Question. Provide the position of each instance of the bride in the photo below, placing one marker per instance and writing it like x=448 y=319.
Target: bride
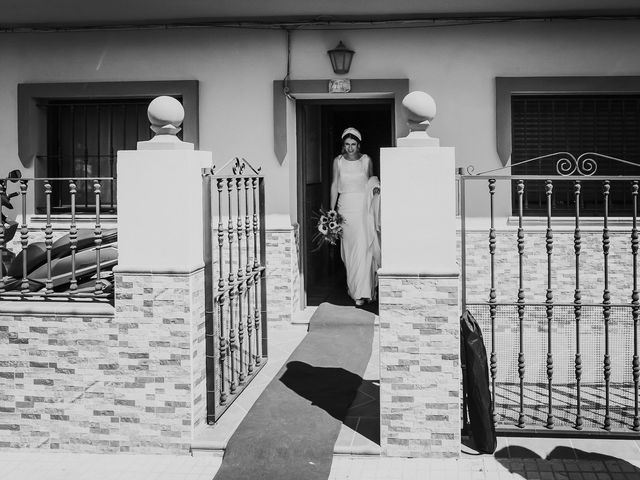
x=355 y=194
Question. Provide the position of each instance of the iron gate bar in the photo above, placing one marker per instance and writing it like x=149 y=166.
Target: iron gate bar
x=576 y=170
x=577 y=308
x=258 y=197
x=97 y=235
x=221 y=287
x=241 y=284
x=48 y=235
x=234 y=306
x=520 y=301
x=549 y=305
x=635 y=297
x=251 y=280
x=24 y=236
x=232 y=331
x=606 y=300
x=492 y=301
x=73 y=236
x=3 y=192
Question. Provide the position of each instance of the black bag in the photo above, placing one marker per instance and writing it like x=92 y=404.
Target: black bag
x=475 y=381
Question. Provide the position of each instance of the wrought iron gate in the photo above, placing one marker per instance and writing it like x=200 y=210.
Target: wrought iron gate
x=561 y=359
x=235 y=283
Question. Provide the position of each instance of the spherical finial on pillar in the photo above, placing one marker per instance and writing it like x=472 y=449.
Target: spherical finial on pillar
x=420 y=108
x=166 y=115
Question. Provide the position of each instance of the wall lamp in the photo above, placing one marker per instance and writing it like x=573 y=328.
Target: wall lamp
x=341 y=58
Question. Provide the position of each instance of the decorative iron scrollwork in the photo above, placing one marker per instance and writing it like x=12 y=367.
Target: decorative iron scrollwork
x=584 y=165
x=567 y=164
x=238 y=166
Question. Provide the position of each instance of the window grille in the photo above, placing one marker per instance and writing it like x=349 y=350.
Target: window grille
x=605 y=124
x=83 y=140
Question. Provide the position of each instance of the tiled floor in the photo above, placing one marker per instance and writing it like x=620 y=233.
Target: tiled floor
x=515 y=459
x=282 y=342
x=360 y=432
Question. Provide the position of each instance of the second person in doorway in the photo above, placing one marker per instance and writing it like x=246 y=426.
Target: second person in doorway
x=355 y=194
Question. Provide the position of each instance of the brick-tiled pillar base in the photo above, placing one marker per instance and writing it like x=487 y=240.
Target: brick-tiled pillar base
x=419 y=366
x=283 y=274
x=160 y=374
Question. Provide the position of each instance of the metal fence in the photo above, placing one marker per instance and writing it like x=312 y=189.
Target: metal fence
x=560 y=363
x=65 y=262
x=235 y=283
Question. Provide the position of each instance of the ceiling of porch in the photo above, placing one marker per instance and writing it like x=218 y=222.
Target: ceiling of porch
x=20 y=14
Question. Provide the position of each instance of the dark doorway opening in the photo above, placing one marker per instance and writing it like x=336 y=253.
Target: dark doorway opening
x=319 y=125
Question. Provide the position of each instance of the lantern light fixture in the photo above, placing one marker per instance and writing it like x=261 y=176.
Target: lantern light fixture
x=341 y=58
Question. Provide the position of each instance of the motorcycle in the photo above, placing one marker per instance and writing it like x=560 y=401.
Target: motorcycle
x=65 y=266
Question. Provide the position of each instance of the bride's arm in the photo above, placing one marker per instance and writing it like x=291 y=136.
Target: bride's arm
x=334 y=184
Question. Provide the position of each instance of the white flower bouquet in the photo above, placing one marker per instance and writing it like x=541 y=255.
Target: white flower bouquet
x=328 y=228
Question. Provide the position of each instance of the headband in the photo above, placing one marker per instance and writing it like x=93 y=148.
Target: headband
x=353 y=132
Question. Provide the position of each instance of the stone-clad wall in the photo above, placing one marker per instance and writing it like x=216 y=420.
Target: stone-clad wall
x=419 y=367
x=166 y=317
x=56 y=378
x=129 y=381
x=283 y=276
x=563 y=265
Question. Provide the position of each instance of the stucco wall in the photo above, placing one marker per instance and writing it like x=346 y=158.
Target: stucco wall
x=236 y=70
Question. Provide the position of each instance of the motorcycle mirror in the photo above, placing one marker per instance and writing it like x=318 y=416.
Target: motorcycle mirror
x=14 y=175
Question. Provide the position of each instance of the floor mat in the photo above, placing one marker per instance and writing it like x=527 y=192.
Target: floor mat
x=290 y=431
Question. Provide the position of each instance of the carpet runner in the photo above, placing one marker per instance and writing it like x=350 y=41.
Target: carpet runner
x=290 y=431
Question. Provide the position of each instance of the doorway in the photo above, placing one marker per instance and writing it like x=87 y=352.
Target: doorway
x=319 y=126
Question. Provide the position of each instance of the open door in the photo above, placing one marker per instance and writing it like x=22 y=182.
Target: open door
x=320 y=124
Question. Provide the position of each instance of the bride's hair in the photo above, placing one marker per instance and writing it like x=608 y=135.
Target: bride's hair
x=352 y=137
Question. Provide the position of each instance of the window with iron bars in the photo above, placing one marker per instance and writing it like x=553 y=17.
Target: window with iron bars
x=542 y=124
x=83 y=137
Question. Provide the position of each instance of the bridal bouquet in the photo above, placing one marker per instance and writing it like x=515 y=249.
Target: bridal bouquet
x=329 y=228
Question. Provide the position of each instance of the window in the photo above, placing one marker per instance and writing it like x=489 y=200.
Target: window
x=76 y=130
x=545 y=124
x=83 y=139
x=536 y=116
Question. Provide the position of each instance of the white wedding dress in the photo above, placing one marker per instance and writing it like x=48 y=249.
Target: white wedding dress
x=357 y=255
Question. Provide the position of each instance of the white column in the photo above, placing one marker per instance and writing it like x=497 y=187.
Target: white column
x=418 y=290
x=160 y=284
x=160 y=209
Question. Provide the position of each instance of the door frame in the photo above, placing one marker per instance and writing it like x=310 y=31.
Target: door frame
x=301 y=169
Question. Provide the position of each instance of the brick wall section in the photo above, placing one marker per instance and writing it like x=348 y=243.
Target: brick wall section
x=283 y=277
x=419 y=367
x=132 y=381
x=563 y=266
x=164 y=315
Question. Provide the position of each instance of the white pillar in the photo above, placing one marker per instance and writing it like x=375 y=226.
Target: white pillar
x=418 y=290
x=159 y=295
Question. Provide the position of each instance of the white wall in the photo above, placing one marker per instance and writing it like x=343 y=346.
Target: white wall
x=236 y=68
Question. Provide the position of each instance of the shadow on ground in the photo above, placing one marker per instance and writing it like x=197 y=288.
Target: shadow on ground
x=333 y=390
x=334 y=291
x=565 y=462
